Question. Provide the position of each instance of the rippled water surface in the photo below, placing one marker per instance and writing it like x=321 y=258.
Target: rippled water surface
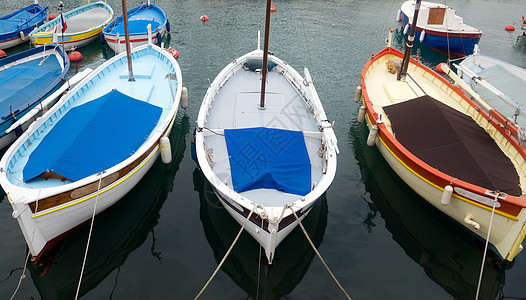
x=167 y=236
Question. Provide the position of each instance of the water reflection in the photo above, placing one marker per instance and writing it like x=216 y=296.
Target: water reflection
x=293 y=255
x=116 y=232
x=450 y=256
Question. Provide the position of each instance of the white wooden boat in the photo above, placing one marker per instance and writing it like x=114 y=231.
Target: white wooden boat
x=141 y=19
x=447 y=149
x=275 y=160
x=500 y=84
x=92 y=147
x=439 y=27
x=83 y=25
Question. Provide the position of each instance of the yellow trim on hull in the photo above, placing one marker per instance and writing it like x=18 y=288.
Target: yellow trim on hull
x=441 y=188
x=517 y=247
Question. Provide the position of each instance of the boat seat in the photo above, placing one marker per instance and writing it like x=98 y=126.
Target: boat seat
x=399 y=91
x=140 y=71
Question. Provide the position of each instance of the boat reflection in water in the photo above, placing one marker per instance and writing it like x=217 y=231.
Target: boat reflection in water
x=450 y=256
x=116 y=232
x=293 y=256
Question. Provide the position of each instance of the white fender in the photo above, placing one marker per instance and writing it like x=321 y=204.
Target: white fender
x=361 y=114
x=446 y=195
x=166 y=151
x=422 y=35
x=358 y=94
x=371 y=139
x=406 y=28
x=184 y=98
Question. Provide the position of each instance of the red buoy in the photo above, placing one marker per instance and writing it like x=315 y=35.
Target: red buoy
x=510 y=28
x=2 y=53
x=439 y=67
x=203 y=18
x=75 y=56
x=173 y=52
x=51 y=16
x=272 y=8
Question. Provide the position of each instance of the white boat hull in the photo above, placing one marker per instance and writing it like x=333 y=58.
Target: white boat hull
x=118 y=43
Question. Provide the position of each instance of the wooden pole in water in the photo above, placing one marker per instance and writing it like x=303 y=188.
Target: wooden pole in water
x=409 y=45
x=265 y=57
x=127 y=37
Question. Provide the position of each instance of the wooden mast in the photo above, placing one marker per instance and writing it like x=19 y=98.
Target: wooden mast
x=127 y=37
x=265 y=57
x=409 y=46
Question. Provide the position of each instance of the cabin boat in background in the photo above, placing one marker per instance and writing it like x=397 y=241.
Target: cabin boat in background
x=83 y=25
x=141 y=20
x=501 y=84
x=454 y=154
x=93 y=146
x=26 y=79
x=439 y=27
x=15 y=27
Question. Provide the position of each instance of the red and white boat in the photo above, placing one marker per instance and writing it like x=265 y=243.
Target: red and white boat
x=451 y=151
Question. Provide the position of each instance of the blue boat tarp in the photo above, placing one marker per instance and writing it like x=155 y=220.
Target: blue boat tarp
x=268 y=158
x=19 y=19
x=135 y=27
x=20 y=83
x=93 y=137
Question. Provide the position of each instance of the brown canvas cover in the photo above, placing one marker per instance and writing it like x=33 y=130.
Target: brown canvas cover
x=436 y=15
x=452 y=143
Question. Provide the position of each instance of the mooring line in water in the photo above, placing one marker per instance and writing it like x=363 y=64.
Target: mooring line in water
x=29 y=251
x=486 y=246
x=259 y=263
x=318 y=253
x=89 y=236
x=226 y=254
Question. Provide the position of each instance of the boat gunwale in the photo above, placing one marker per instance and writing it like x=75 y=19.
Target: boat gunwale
x=29 y=194
x=7 y=36
x=421 y=168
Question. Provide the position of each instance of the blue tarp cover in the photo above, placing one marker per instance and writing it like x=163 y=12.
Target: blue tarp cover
x=93 y=137
x=20 y=83
x=12 y=23
x=268 y=158
x=135 y=27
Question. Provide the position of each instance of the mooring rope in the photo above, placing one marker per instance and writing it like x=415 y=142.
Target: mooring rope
x=226 y=254
x=487 y=242
x=318 y=253
x=89 y=236
x=259 y=263
x=29 y=251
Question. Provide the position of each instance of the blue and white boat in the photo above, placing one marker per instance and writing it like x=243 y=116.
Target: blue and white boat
x=93 y=146
x=16 y=26
x=439 y=27
x=141 y=20
x=26 y=79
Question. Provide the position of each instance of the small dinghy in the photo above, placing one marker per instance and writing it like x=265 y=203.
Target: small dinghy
x=147 y=17
x=15 y=27
x=264 y=143
x=449 y=150
x=440 y=28
x=93 y=146
x=26 y=79
x=81 y=26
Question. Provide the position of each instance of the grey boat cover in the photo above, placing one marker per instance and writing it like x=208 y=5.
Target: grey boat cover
x=452 y=143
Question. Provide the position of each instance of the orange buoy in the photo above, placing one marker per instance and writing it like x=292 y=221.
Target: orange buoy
x=173 y=52
x=510 y=28
x=2 y=53
x=272 y=8
x=75 y=56
x=439 y=68
x=203 y=18
x=51 y=16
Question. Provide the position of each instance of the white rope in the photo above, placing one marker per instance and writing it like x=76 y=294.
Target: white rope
x=28 y=252
x=226 y=254
x=21 y=181
x=89 y=237
x=319 y=255
x=486 y=246
x=259 y=264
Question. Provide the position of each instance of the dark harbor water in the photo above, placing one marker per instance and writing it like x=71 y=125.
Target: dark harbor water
x=166 y=237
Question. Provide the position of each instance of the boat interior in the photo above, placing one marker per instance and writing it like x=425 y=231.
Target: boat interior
x=83 y=21
x=283 y=136
x=430 y=119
